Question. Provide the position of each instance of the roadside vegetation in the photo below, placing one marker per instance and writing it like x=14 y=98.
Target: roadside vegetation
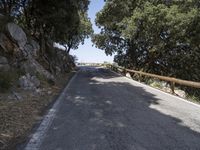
x=160 y=37
x=33 y=71
x=19 y=115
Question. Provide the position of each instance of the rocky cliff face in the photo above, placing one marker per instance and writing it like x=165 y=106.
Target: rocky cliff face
x=17 y=51
x=31 y=78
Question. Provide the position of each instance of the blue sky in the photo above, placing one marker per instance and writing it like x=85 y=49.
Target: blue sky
x=87 y=53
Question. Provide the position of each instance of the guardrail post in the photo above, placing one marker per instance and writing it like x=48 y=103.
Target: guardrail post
x=171 y=80
x=140 y=77
x=124 y=72
x=173 y=87
x=115 y=69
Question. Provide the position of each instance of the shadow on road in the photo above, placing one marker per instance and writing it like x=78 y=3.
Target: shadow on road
x=106 y=113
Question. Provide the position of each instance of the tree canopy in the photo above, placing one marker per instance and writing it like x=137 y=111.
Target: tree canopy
x=63 y=21
x=156 y=36
x=160 y=37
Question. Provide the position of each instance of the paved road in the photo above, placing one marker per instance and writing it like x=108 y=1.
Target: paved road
x=104 y=111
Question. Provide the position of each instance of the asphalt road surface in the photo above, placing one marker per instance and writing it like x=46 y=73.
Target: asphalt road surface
x=101 y=110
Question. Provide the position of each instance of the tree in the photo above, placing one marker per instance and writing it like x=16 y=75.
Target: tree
x=48 y=21
x=75 y=37
x=59 y=21
x=160 y=37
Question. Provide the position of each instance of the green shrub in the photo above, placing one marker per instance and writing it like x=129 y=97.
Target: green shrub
x=192 y=93
x=44 y=79
x=5 y=81
x=156 y=84
x=3 y=21
x=51 y=82
x=40 y=77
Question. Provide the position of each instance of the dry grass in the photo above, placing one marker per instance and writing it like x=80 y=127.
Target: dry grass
x=17 y=118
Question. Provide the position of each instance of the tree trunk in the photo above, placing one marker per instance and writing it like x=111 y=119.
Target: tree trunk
x=42 y=41
x=68 y=50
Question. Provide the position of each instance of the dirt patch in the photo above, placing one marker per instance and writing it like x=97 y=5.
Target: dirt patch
x=17 y=117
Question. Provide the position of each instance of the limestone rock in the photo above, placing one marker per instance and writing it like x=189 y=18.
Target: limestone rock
x=58 y=70
x=128 y=75
x=28 y=67
x=25 y=83
x=32 y=67
x=32 y=48
x=62 y=62
x=3 y=60
x=6 y=44
x=4 y=66
x=29 y=50
x=28 y=82
x=180 y=93
x=38 y=91
x=49 y=92
x=15 y=96
x=36 y=47
x=35 y=81
x=17 y=34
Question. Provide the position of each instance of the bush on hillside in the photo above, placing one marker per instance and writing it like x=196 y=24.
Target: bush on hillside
x=5 y=81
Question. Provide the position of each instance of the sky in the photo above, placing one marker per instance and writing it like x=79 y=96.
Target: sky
x=87 y=52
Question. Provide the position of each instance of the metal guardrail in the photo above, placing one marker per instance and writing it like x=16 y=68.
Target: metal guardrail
x=172 y=80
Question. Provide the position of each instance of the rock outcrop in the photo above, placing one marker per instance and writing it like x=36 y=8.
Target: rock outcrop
x=32 y=67
x=22 y=52
x=61 y=62
x=17 y=35
x=31 y=49
x=6 y=44
x=14 y=43
x=28 y=82
x=35 y=48
x=4 y=66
